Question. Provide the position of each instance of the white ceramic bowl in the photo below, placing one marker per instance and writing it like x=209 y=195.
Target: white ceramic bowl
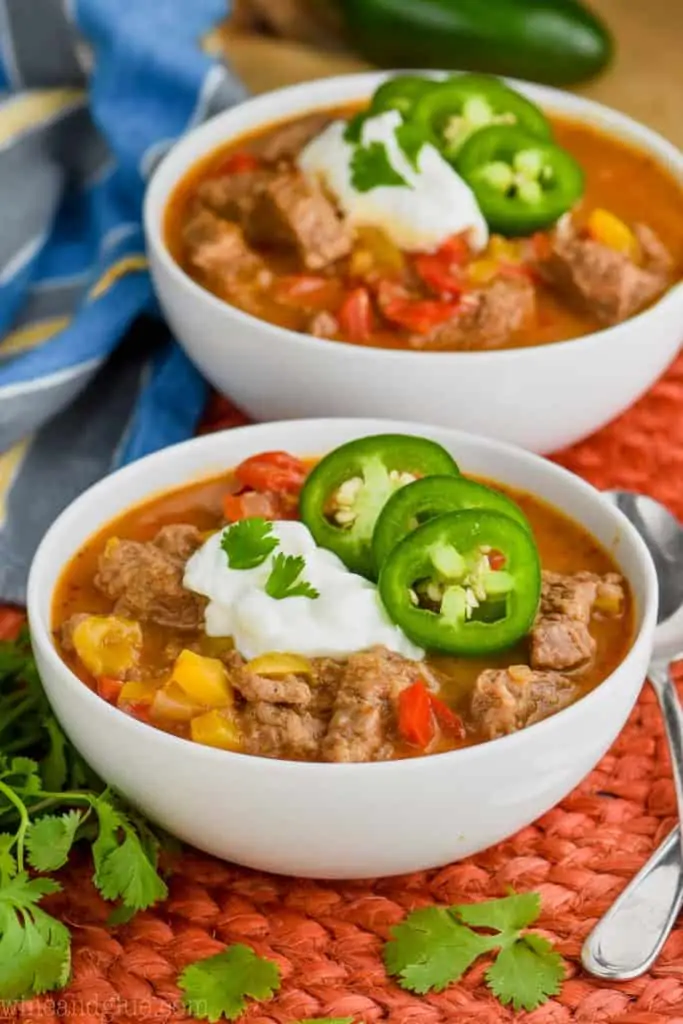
x=340 y=820
x=541 y=398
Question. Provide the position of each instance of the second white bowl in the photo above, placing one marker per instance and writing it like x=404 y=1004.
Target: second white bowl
x=541 y=398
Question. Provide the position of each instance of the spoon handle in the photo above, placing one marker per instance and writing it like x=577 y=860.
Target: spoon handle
x=628 y=939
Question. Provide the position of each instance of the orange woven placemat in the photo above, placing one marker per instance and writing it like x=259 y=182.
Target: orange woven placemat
x=327 y=937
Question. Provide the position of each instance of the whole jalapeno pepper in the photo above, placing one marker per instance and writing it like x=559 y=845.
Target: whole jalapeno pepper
x=522 y=184
x=415 y=504
x=454 y=109
x=344 y=494
x=439 y=585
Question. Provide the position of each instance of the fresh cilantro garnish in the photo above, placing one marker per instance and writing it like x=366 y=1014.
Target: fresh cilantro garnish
x=434 y=947
x=49 y=800
x=248 y=543
x=371 y=167
x=219 y=986
x=411 y=140
x=284 y=578
x=354 y=128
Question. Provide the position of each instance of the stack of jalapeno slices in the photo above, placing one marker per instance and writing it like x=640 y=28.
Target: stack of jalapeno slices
x=497 y=140
x=455 y=561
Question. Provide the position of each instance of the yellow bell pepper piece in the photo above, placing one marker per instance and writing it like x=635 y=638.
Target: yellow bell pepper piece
x=204 y=680
x=609 y=230
x=139 y=691
x=216 y=729
x=171 y=704
x=482 y=271
x=277 y=664
x=374 y=251
x=108 y=645
x=506 y=250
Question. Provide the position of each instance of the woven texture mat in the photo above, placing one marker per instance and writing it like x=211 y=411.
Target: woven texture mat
x=327 y=937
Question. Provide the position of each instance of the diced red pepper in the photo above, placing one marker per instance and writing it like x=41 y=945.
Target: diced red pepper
x=109 y=689
x=496 y=559
x=355 y=315
x=455 y=249
x=308 y=291
x=450 y=723
x=238 y=163
x=419 y=315
x=272 y=471
x=139 y=711
x=415 y=718
x=11 y=621
x=444 y=278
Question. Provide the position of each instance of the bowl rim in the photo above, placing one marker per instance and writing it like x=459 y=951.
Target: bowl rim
x=42 y=637
x=211 y=134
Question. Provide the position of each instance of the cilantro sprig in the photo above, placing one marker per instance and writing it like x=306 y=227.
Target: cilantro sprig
x=371 y=168
x=49 y=801
x=248 y=543
x=220 y=985
x=284 y=578
x=434 y=947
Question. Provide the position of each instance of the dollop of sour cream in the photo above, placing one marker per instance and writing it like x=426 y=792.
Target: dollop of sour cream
x=347 y=616
x=434 y=204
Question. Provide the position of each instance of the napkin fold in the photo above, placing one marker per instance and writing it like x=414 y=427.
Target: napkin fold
x=92 y=94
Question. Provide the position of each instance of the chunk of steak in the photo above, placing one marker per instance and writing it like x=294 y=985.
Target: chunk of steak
x=146 y=582
x=286 y=141
x=233 y=196
x=362 y=727
x=602 y=281
x=323 y=325
x=294 y=211
x=274 y=731
x=506 y=700
x=289 y=689
x=560 y=638
x=487 y=320
x=219 y=249
x=562 y=644
x=179 y=540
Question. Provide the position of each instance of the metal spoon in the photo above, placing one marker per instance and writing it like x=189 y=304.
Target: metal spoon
x=628 y=939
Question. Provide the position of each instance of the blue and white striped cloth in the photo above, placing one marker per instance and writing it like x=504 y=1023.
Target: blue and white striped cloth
x=92 y=93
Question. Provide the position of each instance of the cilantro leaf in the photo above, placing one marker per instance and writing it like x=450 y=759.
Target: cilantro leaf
x=527 y=973
x=517 y=911
x=430 y=949
x=35 y=948
x=218 y=986
x=123 y=867
x=371 y=168
x=8 y=862
x=354 y=128
x=283 y=578
x=248 y=543
x=49 y=840
x=411 y=140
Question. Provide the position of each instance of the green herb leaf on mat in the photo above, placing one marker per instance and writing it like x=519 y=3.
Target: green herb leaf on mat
x=35 y=948
x=434 y=947
x=49 y=800
x=49 y=840
x=220 y=985
x=248 y=543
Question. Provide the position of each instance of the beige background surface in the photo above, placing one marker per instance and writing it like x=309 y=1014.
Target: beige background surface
x=646 y=80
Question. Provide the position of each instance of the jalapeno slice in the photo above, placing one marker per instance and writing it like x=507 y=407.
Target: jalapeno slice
x=522 y=184
x=400 y=93
x=439 y=585
x=415 y=504
x=344 y=494
x=454 y=109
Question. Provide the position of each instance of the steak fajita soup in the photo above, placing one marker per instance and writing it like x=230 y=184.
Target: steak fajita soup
x=444 y=216
x=376 y=604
